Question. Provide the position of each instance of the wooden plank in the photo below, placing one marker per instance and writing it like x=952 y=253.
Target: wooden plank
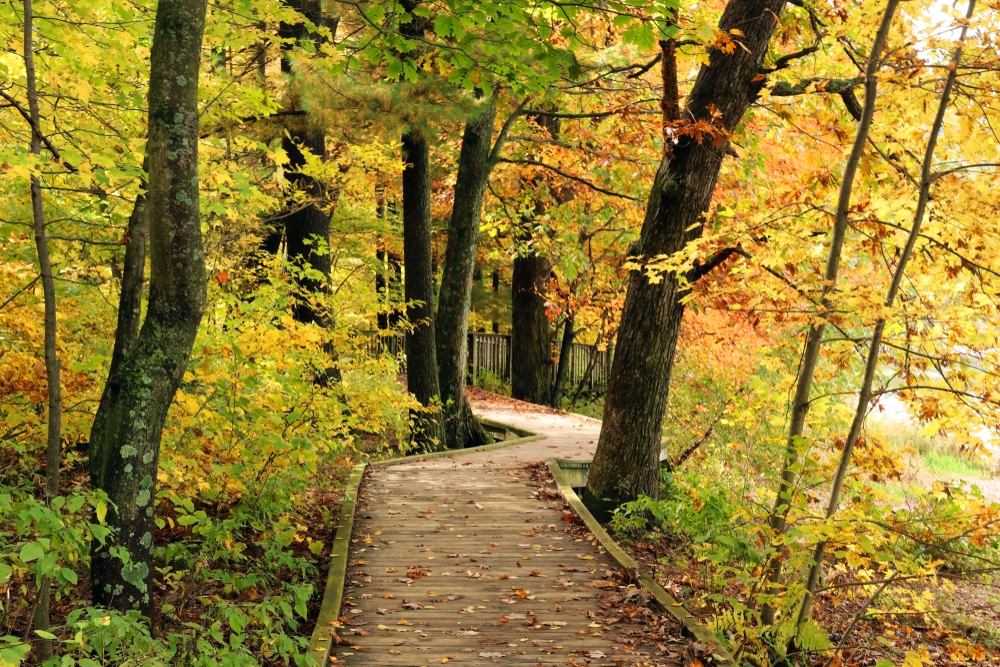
x=664 y=600
x=319 y=644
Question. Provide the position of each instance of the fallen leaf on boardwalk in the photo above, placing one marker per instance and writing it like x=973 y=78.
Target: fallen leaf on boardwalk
x=391 y=569
x=602 y=583
x=395 y=652
x=381 y=611
x=388 y=596
x=412 y=605
x=403 y=581
x=585 y=557
x=359 y=648
x=493 y=654
x=504 y=576
x=383 y=627
x=479 y=507
x=403 y=621
x=431 y=593
x=536 y=573
x=466 y=633
x=494 y=544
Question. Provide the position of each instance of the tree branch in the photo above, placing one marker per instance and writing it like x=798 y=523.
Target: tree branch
x=702 y=270
x=557 y=170
x=37 y=130
x=821 y=86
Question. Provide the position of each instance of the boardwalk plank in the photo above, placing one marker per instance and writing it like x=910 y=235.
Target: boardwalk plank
x=423 y=517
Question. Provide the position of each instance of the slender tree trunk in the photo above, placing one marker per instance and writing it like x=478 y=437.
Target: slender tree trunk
x=495 y=281
x=810 y=354
x=381 y=288
x=53 y=445
x=530 y=335
x=133 y=416
x=421 y=355
x=871 y=365
x=626 y=464
x=462 y=429
x=565 y=352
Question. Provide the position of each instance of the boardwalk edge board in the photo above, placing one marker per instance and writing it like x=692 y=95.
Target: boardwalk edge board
x=320 y=643
x=333 y=594
x=664 y=600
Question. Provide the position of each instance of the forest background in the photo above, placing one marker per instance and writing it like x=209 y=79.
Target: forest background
x=370 y=169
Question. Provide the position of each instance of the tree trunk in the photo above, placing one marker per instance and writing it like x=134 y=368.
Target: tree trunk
x=495 y=281
x=530 y=338
x=53 y=444
x=865 y=393
x=133 y=416
x=626 y=464
x=565 y=352
x=305 y=225
x=421 y=356
x=462 y=429
x=381 y=288
x=810 y=354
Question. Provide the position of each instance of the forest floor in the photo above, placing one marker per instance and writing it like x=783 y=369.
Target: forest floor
x=966 y=632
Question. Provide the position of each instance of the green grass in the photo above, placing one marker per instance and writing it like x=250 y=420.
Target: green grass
x=937 y=455
x=945 y=463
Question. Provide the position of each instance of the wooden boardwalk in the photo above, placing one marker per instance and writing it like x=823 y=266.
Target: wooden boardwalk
x=466 y=560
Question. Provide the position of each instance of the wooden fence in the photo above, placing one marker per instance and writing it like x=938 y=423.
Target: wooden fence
x=490 y=353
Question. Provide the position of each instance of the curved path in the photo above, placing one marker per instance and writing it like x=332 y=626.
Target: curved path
x=469 y=560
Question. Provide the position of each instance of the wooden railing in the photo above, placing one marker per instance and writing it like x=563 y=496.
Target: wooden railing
x=490 y=353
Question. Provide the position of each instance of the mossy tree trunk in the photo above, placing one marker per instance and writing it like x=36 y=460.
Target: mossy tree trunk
x=626 y=464
x=125 y=453
x=462 y=429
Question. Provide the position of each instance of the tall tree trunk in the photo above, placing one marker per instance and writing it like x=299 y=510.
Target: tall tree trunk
x=462 y=429
x=421 y=355
x=305 y=225
x=132 y=419
x=871 y=365
x=53 y=443
x=810 y=354
x=565 y=352
x=530 y=337
x=626 y=464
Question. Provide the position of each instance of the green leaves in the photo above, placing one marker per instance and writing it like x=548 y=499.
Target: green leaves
x=31 y=551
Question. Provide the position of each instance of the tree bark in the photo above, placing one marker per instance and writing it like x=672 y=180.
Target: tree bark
x=871 y=365
x=565 y=351
x=134 y=414
x=530 y=338
x=53 y=443
x=810 y=354
x=626 y=464
x=530 y=335
x=462 y=429
x=306 y=226
x=421 y=355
